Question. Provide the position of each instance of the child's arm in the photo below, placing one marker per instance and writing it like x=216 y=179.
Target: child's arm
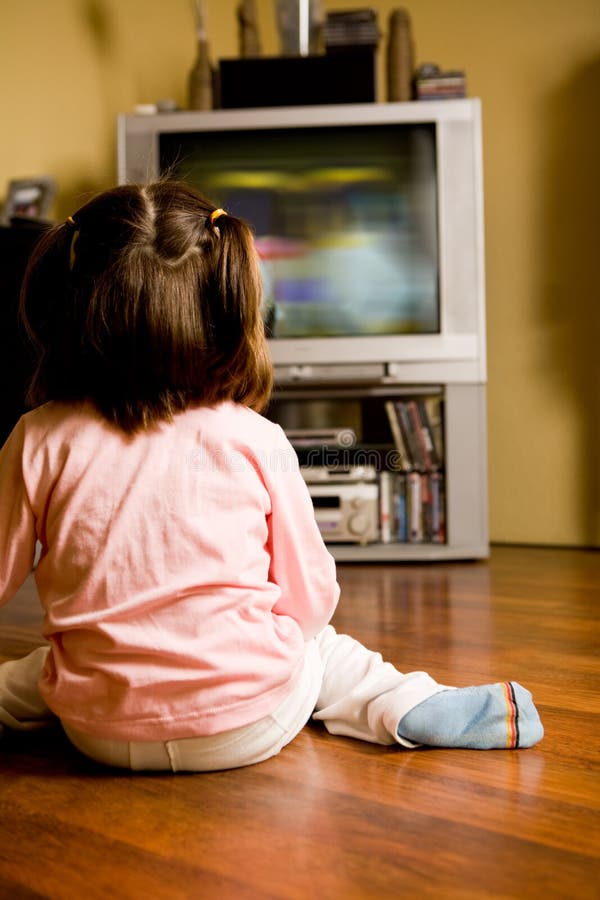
x=300 y=563
x=17 y=522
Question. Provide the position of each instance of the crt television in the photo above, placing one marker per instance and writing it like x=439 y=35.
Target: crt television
x=368 y=219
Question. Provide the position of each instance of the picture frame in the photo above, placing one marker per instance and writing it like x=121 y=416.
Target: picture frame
x=29 y=198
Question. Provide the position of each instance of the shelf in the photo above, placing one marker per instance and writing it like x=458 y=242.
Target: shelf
x=363 y=412
x=356 y=553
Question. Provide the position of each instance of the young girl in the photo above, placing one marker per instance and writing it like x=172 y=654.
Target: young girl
x=186 y=588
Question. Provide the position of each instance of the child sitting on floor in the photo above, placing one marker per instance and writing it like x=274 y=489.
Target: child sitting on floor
x=186 y=588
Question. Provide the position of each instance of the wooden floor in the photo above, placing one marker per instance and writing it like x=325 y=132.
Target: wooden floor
x=336 y=818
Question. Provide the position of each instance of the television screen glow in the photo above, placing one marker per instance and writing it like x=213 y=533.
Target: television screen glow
x=345 y=221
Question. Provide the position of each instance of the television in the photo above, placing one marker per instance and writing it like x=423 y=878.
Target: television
x=368 y=219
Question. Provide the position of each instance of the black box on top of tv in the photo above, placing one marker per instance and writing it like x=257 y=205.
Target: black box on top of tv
x=343 y=77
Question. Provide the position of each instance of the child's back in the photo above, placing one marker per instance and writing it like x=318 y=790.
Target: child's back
x=156 y=577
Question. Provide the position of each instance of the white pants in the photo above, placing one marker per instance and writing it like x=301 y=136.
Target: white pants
x=347 y=687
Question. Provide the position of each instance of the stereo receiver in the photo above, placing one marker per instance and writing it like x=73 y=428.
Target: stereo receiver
x=346 y=512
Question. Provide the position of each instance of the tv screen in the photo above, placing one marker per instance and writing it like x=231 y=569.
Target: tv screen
x=345 y=221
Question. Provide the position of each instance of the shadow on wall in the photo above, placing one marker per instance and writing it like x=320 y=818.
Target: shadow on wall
x=98 y=26
x=571 y=287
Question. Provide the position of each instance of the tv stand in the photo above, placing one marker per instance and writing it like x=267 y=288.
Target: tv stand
x=369 y=221
x=365 y=404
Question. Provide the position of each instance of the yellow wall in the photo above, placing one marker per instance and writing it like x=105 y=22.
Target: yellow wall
x=67 y=67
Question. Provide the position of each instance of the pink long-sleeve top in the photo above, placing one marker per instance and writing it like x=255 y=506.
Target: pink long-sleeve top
x=181 y=570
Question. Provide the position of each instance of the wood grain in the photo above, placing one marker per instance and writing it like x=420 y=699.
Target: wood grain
x=336 y=818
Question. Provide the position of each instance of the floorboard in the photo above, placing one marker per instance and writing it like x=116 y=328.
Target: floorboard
x=335 y=818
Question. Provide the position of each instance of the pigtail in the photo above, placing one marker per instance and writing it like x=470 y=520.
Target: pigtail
x=45 y=311
x=246 y=365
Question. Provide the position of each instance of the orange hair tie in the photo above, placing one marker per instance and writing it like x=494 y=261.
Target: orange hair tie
x=215 y=215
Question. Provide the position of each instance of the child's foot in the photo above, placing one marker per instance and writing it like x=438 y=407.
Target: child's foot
x=486 y=717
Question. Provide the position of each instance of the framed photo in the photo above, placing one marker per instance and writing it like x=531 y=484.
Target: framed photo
x=29 y=198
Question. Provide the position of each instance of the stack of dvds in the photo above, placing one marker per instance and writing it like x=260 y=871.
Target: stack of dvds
x=430 y=83
x=353 y=28
x=412 y=495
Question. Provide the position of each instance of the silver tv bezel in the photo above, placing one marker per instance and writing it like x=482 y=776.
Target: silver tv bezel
x=457 y=352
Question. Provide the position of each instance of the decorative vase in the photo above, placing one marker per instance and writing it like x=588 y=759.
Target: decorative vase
x=201 y=77
x=400 y=57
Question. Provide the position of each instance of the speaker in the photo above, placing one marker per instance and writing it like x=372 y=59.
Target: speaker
x=346 y=76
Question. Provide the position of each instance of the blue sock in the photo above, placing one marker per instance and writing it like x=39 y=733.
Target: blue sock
x=485 y=717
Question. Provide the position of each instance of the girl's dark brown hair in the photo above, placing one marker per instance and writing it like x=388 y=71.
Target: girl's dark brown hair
x=142 y=305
